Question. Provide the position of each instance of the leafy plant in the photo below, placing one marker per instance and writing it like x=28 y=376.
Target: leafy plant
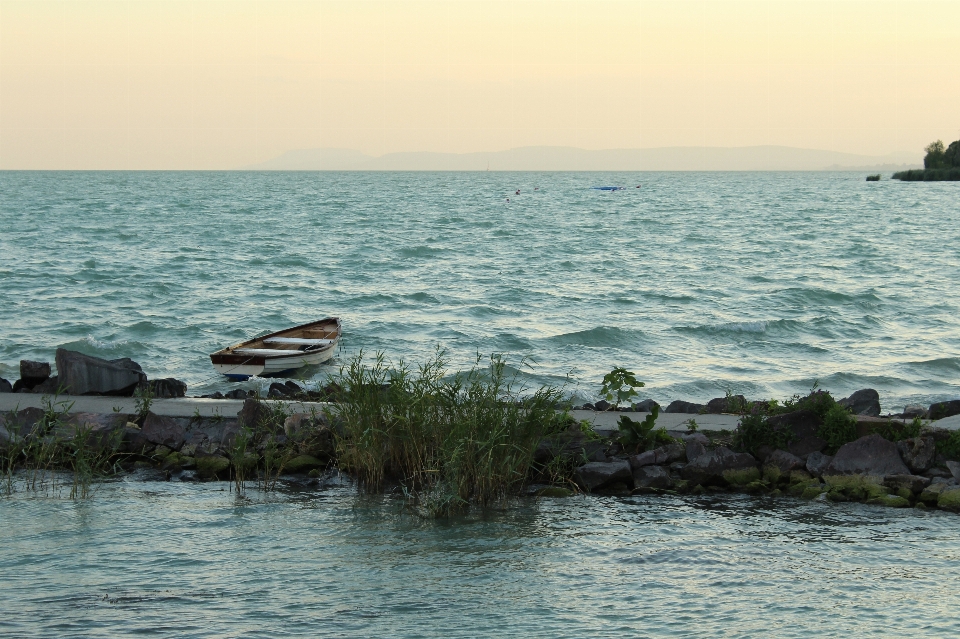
x=635 y=435
x=143 y=401
x=619 y=385
x=838 y=428
x=950 y=447
x=754 y=430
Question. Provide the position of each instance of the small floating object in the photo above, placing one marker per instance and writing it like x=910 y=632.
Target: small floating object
x=608 y=188
x=873 y=178
x=518 y=192
x=280 y=353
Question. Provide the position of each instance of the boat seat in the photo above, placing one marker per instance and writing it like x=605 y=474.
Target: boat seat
x=298 y=340
x=267 y=351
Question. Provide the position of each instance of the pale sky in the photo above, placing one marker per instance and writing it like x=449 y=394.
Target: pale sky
x=217 y=84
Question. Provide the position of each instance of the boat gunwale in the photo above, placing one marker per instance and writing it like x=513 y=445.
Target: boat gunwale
x=227 y=352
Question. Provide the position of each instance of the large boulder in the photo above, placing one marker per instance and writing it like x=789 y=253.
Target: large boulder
x=909 y=483
x=817 y=462
x=801 y=427
x=32 y=373
x=939 y=410
x=100 y=432
x=662 y=455
x=49 y=386
x=87 y=375
x=168 y=387
x=869 y=455
x=784 y=461
x=863 y=402
x=652 y=477
x=680 y=406
x=158 y=429
x=709 y=468
x=5 y=386
x=731 y=404
x=646 y=406
x=918 y=453
x=596 y=475
x=954 y=468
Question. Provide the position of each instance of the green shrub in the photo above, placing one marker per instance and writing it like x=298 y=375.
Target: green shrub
x=619 y=385
x=838 y=428
x=637 y=436
x=754 y=431
x=950 y=447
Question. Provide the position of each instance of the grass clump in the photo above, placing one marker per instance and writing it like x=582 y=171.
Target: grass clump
x=449 y=440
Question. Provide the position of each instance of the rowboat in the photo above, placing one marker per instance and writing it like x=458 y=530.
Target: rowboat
x=280 y=353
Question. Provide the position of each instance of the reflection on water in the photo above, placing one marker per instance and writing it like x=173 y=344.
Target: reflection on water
x=196 y=560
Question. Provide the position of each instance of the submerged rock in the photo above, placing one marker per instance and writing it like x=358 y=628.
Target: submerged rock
x=918 y=453
x=863 y=402
x=869 y=455
x=596 y=475
x=86 y=375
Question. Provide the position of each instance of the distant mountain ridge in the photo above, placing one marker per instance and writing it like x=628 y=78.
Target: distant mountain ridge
x=560 y=158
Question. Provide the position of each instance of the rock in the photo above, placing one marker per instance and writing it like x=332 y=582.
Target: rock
x=26 y=422
x=571 y=444
x=869 y=455
x=301 y=465
x=954 y=468
x=950 y=499
x=911 y=483
x=679 y=406
x=934 y=473
x=646 y=406
x=277 y=391
x=85 y=375
x=784 y=461
x=918 y=453
x=694 y=449
x=802 y=427
x=863 y=402
x=212 y=467
x=168 y=387
x=293 y=388
x=931 y=494
x=596 y=475
x=662 y=455
x=742 y=477
x=817 y=462
x=587 y=406
x=652 y=477
x=913 y=410
x=32 y=373
x=707 y=469
x=237 y=393
x=602 y=405
x=49 y=386
x=939 y=410
x=5 y=386
x=163 y=430
x=732 y=404
x=255 y=415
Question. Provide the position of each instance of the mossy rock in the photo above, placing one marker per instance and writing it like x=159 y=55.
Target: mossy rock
x=857 y=487
x=756 y=487
x=741 y=476
x=248 y=464
x=906 y=493
x=800 y=476
x=315 y=473
x=920 y=506
x=772 y=474
x=698 y=490
x=776 y=492
x=931 y=494
x=811 y=492
x=212 y=467
x=891 y=501
x=555 y=491
x=837 y=495
x=950 y=499
x=302 y=464
x=176 y=461
x=681 y=486
x=140 y=464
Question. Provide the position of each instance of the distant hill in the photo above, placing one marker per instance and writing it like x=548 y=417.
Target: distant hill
x=558 y=158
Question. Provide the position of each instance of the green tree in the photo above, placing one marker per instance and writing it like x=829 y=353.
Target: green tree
x=935 y=156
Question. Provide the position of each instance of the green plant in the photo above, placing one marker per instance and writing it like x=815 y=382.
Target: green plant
x=619 y=385
x=754 y=430
x=950 y=447
x=692 y=425
x=635 y=435
x=143 y=401
x=838 y=428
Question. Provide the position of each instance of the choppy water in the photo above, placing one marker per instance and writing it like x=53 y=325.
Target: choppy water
x=757 y=283
x=189 y=560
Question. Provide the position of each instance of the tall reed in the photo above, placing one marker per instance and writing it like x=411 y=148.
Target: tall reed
x=449 y=440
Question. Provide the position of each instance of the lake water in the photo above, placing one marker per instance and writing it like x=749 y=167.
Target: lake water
x=756 y=283
x=195 y=560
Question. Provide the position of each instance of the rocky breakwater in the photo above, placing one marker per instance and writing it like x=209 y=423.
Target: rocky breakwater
x=812 y=447
x=81 y=374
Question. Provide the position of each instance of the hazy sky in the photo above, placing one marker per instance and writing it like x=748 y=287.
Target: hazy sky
x=210 y=84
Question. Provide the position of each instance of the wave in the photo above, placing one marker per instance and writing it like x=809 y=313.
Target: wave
x=601 y=336
x=420 y=251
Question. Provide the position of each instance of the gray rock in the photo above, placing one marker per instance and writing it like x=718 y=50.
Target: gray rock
x=689 y=436
x=918 y=453
x=652 y=477
x=914 y=483
x=86 y=375
x=679 y=406
x=933 y=473
x=100 y=432
x=595 y=475
x=939 y=410
x=5 y=386
x=869 y=455
x=602 y=405
x=784 y=461
x=32 y=373
x=954 y=468
x=802 y=427
x=293 y=388
x=694 y=449
x=863 y=402
x=662 y=455
x=732 y=404
x=914 y=410
x=168 y=387
x=163 y=430
x=817 y=462
x=646 y=406
x=571 y=444
x=708 y=469
x=277 y=391
x=49 y=386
